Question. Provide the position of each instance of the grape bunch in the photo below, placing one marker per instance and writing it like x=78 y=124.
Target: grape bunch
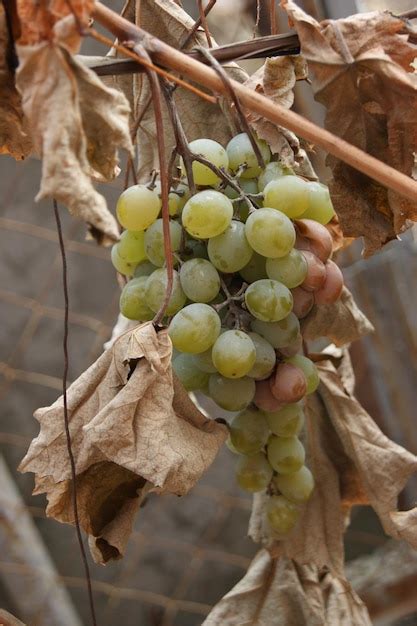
x=252 y=257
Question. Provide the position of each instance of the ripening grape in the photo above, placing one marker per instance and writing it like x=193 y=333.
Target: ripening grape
x=233 y=354
x=297 y=487
x=133 y=303
x=230 y=251
x=240 y=152
x=314 y=237
x=278 y=334
x=320 y=207
x=287 y=421
x=199 y=280
x=155 y=292
x=265 y=357
x=268 y=300
x=138 y=207
x=290 y=270
x=289 y=194
x=253 y=473
x=272 y=171
x=122 y=266
x=255 y=269
x=213 y=152
x=195 y=328
x=332 y=287
x=191 y=377
x=131 y=246
x=207 y=214
x=174 y=201
x=309 y=369
x=144 y=269
x=204 y=362
x=264 y=398
x=288 y=384
x=303 y=302
x=285 y=454
x=270 y=233
x=316 y=272
x=231 y=394
x=154 y=241
x=249 y=431
x=282 y=514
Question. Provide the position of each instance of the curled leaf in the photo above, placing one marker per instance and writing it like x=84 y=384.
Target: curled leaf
x=133 y=429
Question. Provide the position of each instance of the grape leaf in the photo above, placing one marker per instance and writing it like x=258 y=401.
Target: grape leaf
x=38 y=20
x=7 y=619
x=361 y=72
x=134 y=429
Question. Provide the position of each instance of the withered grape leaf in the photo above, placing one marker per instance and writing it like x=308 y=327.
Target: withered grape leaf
x=361 y=72
x=132 y=428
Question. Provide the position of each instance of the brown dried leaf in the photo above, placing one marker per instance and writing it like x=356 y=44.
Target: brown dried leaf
x=132 y=429
x=341 y=322
x=7 y=619
x=362 y=74
x=77 y=126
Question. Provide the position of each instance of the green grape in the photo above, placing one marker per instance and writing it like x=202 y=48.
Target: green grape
x=288 y=194
x=174 y=201
x=309 y=370
x=255 y=269
x=249 y=431
x=320 y=206
x=282 y=514
x=133 y=300
x=144 y=269
x=268 y=300
x=131 y=246
x=253 y=473
x=231 y=394
x=230 y=251
x=234 y=354
x=195 y=249
x=297 y=487
x=279 y=334
x=272 y=171
x=207 y=214
x=204 y=362
x=191 y=377
x=240 y=152
x=213 y=152
x=155 y=292
x=288 y=421
x=121 y=265
x=270 y=233
x=154 y=241
x=285 y=454
x=138 y=207
x=200 y=280
x=265 y=357
x=290 y=270
x=195 y=328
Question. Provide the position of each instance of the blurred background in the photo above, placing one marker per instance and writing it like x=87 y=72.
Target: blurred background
x=185 y=554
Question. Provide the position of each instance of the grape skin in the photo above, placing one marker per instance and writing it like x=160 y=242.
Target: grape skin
x=270 y=233
x=133 y=303
x=320 y=206
x=289 y=194
x=249 y=431
x=154 y=241
x=297 y=487
x=255 y=269
x=279 y=334
x=155 y=292
x=285 y=454
x=287 y=421
x=195 y=328
x=282 y=514
x=234 y=354
x=240 y=152
x=119 y=264
x=265 y=357
x=230 y=251
x=191 y=377
x=231 y=394
x=268 y=300
x=144 y=269
x=213 y=152
x=253 y=473
x=290 y=270
x=131 y=246
x=204 y=362
x=206 y=214
x=309 y=370
x=272 y=171
x=200 y=280
x=138 y=207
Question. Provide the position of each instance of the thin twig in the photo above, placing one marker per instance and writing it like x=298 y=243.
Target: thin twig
x=258 y=19
x=204 y=22
x=66 y=417
x=197 y=25
x=273 y=16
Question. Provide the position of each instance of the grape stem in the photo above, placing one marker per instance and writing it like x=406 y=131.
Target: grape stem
x=231 y=302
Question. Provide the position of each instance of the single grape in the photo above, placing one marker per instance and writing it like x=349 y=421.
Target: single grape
x=199 y=280
x=297 y=487
x=278 y=334
x=122 y=266
x=282 y=514
x=316 y=272
x=234 y=354
x=206 y=214
x=270 y=233
x=249 y=431
x=230 y=251
x=264 y=399
x=290 y=270
x=272 y=171
x=265 y=357
x=288 y=384
x=268 y=300
x=240 y=152
x=138 y=207
x=255 y=269
x=332 y=287
x=213 y=152
x=253 y=473
x=191 y=377
x=155 y=292
x=133 y=303
x=287 y=421
x=288 y=194
x=131 y=246
x=174 y=202
x=195 y=328
x=309 y=370
x=303 y=302
x=154 y=241
x=231 y=394
x=285 y=454
x=204 y=362
x=320 y=207
x=144 y=269
x=314 y=237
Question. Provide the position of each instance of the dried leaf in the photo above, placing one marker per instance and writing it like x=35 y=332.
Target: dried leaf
x=341 y=322
x=13 y=137
x=280 y=592
x=7 y=619
x=37 y=19
x=132 y=429
x=361 y=73
x=77 y=126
